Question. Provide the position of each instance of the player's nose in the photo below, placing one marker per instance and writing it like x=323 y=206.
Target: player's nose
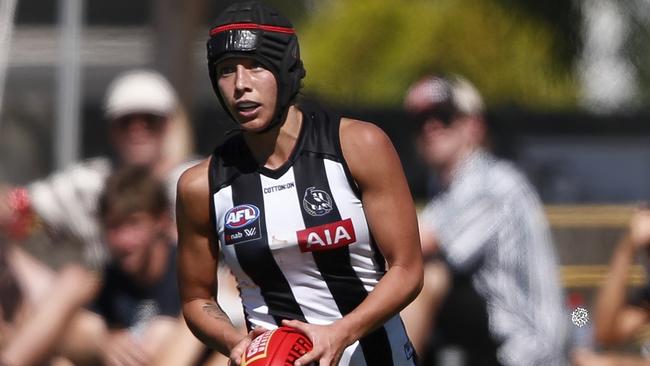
x=242 y=78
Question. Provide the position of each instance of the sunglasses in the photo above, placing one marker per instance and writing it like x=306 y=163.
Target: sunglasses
x=443 y=113
x=151 y=121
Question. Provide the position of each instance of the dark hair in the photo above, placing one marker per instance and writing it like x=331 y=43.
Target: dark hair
x=130 y=190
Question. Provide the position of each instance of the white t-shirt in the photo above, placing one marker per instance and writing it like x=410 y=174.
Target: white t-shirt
x=67 y=202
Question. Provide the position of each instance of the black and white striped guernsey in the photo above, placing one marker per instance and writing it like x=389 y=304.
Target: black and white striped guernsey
x=297 y=238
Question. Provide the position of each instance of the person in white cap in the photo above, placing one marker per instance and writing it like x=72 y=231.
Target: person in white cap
x=140 y=107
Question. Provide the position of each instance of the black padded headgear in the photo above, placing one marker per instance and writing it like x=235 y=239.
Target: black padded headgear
x=255 y=30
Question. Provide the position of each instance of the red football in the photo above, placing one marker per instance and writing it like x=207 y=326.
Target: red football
x=278 y=347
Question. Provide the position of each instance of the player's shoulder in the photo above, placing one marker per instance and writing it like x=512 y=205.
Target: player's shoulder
x=181 y=167
x=194 y=180
x=367 y=150
x=362 y=135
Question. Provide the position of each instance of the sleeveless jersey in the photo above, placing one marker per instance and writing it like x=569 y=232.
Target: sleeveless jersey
x=297 y=240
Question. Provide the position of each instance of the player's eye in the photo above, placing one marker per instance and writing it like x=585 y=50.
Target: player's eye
x=256 y=65
x=224 y=70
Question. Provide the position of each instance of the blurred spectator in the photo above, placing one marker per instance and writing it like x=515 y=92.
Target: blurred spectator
x=617 y=318
x=134 y=315
x=141 y=108
x=502 y=304
x=137 y=304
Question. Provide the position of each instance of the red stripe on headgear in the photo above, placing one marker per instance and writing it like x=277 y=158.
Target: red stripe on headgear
x=269 y=28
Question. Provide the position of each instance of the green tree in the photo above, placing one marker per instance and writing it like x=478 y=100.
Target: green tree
x=367 y=52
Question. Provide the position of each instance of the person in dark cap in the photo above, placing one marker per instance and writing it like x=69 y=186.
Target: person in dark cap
x=309 y=209
x=486 y=227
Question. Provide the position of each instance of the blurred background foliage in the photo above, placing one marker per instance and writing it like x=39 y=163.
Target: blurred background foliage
x=566 y=82
x=637 y=47
x=372 y=50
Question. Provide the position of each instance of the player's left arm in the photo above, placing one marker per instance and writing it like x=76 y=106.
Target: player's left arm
x=391 y=217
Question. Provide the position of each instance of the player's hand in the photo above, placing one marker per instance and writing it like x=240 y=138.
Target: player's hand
x=640 y=228
x=122 y=349
x=238 y=351
x=329 y=343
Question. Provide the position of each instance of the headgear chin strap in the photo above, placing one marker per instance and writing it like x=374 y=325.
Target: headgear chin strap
x=252 y=29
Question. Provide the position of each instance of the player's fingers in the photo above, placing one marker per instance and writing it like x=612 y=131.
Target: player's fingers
x=328 y=359
x=308 y=358
x=337 y=358
x=257 y=331
x=237 y=352
x=296 y=324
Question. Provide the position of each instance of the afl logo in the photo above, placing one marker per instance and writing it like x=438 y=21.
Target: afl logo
x=316 y=202
x=242 y=215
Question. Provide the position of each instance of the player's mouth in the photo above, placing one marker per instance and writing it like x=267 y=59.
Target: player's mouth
x=247 y=109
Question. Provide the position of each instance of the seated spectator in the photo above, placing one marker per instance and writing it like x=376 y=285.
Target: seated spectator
x=137 y=304
x=618 y=318
x=134 y=315
x=142 y=112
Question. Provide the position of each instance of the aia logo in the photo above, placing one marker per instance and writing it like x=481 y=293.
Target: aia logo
x=325 y=237
x=242 y=215
x=316 y=202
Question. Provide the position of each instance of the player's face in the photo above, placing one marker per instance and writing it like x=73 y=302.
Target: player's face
x=249 y=90
x=131 y=239
x=439 y=144
x=138 y=138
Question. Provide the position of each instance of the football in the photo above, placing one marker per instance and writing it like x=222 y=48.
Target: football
x=277 y=347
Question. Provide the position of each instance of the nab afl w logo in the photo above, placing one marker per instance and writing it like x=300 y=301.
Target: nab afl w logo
x=241 y=216
x=242 y=224
x=316 y=202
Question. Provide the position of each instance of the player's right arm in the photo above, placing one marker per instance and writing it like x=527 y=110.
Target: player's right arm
x=615 y=320
x=197 y=263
